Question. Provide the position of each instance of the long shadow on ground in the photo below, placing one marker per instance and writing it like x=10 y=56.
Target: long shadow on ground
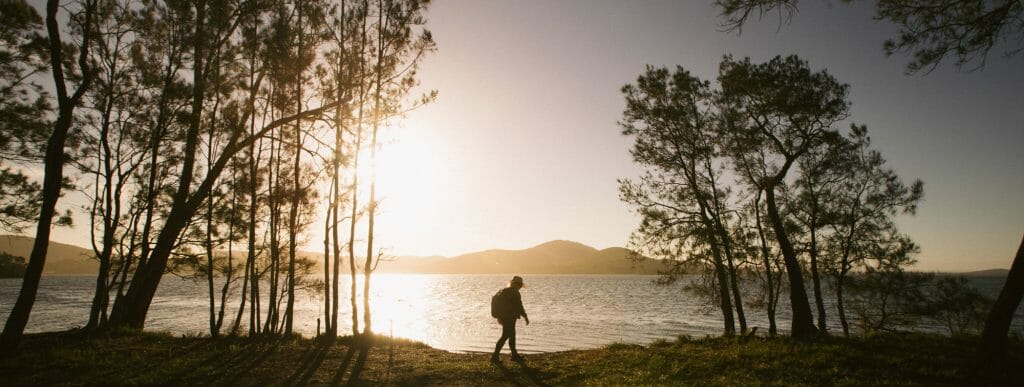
x=310 y=362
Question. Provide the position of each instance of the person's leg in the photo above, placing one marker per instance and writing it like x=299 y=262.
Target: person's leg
x=512 y=340
x=505 y=334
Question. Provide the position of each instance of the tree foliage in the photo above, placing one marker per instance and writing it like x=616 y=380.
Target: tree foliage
x=930 y=31
x=757 y=177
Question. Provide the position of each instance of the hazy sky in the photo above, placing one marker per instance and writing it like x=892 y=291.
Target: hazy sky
x=523 y=147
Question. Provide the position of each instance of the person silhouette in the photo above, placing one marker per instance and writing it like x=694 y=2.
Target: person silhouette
x=514 y=310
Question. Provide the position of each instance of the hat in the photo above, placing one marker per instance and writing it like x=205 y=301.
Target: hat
x=517 y=280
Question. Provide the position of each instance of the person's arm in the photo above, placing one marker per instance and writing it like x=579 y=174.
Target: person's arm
x=522 y=311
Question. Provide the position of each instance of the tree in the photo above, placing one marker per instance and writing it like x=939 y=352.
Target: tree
x=214 y=26
x=774 y=114
x=861 y=208
x=341 y=67
x=54 y=158
x=932 y=31
x=772 y=262
x=929 y=30
x=672 y=119
x=958 y=305
x=886 y=297
x=107 y=138
x=820 y=174
x=400 y=47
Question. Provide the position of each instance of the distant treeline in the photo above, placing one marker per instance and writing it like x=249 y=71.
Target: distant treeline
x=11 y=266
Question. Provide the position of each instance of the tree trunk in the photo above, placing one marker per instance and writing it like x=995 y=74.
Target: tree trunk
x=275 y=254
x=147 y=278
x=250 y=256
x=816 y=279
x=327 y=268
x=293 y=215
x=737 y=298
x=241 y=305
x=997 y=326
x=53 y=172
x=723 y=286
x=352 y=235
x=355 y=212
x=101 y=295
x=726 y=247
x=765 y=253
x=803 y=323
x=230 y=270
x=214 y=331
x=840 y=303
x=18 y=318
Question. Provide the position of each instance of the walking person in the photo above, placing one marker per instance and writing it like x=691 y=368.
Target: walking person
x=507 y=307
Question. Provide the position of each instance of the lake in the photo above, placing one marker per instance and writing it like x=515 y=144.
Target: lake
x=451 y=312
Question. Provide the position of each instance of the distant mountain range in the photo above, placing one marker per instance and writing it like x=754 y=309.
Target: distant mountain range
x=986 y=273
x=555 y=257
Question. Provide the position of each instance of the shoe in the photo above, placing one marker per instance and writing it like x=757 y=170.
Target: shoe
x=495 y=359
x=518 y=359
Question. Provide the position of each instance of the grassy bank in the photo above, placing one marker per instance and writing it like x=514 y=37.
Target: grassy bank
x=134 y=358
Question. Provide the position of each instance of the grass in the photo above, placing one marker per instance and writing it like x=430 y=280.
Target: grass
x=131 y=358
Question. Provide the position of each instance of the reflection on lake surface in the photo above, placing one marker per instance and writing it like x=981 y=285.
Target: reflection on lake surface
x=450 y=312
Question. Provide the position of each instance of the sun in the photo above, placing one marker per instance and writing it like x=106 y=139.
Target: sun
x=407 y=164
x=408 y=171
x=412 y=186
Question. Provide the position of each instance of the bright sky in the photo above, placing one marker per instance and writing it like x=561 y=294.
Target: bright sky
x=522 y=145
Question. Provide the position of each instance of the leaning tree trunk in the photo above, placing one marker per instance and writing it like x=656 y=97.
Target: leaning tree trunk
x=53 y=172
x=997 y=326
x=723 y=288
x=734 y=285
x=803 y=323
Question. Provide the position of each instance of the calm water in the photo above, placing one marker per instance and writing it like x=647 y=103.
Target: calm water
x=450 y=312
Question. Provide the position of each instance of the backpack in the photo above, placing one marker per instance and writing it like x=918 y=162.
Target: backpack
x=501 y=304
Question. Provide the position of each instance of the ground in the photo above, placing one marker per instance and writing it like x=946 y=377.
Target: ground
x=131 y=358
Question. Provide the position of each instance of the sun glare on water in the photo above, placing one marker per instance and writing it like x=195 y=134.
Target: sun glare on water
x=401 y=303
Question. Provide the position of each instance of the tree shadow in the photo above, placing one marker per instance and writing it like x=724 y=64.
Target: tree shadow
x=358 y=367
x=310 y=362
x=340 y=372
x=243 y=362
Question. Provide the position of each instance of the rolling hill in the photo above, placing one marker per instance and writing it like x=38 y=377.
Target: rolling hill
x=61 y=259
x=555 y=257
